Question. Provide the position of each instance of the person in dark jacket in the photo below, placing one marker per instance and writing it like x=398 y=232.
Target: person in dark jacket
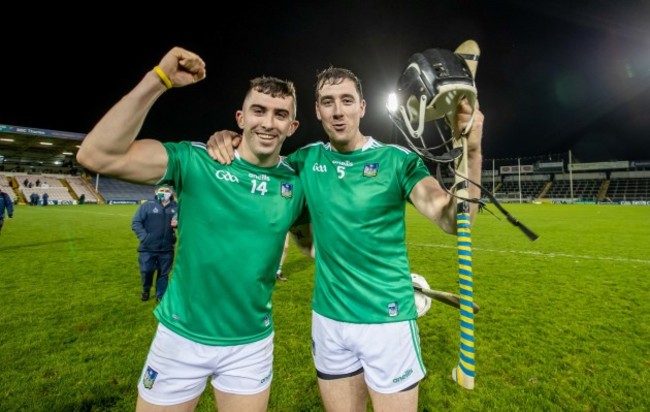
x=155 y=224
x=33 y=199
x=6 y=204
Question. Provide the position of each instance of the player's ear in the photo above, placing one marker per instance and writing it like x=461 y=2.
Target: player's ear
x=239 y=117
x=293 y=127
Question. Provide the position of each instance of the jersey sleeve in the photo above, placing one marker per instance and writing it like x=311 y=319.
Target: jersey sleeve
x=291 y=159
x=413 y=170
x=296 y=160
x=177 y=153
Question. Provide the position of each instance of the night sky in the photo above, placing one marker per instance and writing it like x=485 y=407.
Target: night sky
x=553 y=76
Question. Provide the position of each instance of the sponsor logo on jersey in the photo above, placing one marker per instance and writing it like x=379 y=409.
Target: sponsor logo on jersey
x=370 y=169
x=261 y=177
x=286 y=190
x=319 y=168
x=226 y=176
x=149 y=377
x=345 y=163
x=393 y=310
x=155 y=210
x=404 y=376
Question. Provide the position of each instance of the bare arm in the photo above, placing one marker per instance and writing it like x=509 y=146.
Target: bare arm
x=431 y=199
x=111 y=149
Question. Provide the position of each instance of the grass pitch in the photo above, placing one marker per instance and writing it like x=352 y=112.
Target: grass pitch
x=563 y=324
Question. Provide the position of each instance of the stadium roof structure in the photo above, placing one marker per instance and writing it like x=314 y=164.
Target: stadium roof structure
x=31 y=146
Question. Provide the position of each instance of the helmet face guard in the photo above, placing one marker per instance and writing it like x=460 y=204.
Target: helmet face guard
x=430 y=88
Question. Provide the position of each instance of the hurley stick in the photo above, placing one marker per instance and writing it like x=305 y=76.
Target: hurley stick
x=465 y=371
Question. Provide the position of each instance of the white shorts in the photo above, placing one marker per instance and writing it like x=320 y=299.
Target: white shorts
x=177 y=369
x=388 y=353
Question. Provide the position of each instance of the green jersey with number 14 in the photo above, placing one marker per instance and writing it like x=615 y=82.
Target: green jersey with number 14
x=232 y=223
x=357 y=203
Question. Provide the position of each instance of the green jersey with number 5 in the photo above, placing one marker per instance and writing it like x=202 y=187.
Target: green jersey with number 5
x=357 y=202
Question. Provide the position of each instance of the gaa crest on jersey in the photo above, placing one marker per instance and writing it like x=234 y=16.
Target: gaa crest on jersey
x=393 y=309
x=286 y=190
x=149 y=377
x=370 y=169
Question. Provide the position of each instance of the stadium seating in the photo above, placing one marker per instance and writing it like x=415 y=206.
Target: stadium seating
x=81 y=187
x=117 y=191
x=633 y=185
x=615 y=186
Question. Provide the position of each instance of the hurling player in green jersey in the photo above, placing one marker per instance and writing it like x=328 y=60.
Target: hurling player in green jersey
x=215 y=319
x=364 y=331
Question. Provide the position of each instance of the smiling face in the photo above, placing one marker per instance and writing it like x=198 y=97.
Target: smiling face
x=340 y=108
x=266 y=119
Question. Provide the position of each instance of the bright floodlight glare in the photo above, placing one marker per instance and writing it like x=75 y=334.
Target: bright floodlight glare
x=391 y=104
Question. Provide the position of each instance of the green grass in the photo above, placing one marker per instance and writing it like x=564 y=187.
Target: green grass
x=563 y=324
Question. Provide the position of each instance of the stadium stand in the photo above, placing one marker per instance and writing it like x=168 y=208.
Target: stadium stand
x=562 y=187
x=117 y=191
x=80 y=186
x=8 y=188
x=531 y=186
x=585 y=185
x=629 y=185
x=30 y=154
x=66 y=189
x=42 y=183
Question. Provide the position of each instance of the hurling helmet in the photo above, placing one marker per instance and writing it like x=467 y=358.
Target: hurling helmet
x=429 y=89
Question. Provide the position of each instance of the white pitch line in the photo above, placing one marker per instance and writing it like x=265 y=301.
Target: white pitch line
x=98 y=213
x=535 y=253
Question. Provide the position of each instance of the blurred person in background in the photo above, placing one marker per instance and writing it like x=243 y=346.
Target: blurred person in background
x=154 y=223
x=6 y=207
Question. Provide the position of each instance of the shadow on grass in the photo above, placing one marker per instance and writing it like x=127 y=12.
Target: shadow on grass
x=20 y=246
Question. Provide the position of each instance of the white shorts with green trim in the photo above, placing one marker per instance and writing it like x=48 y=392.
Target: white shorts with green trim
x=177 y=369
x=388 y=353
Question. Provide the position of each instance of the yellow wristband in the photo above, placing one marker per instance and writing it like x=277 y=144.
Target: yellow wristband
x=163 y=77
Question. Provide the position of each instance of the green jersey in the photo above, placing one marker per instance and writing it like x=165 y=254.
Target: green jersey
x=232 y=223
x=357 y=203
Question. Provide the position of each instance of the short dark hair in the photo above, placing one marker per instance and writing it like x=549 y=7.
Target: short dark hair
x=336 y=75
x=275 y=88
